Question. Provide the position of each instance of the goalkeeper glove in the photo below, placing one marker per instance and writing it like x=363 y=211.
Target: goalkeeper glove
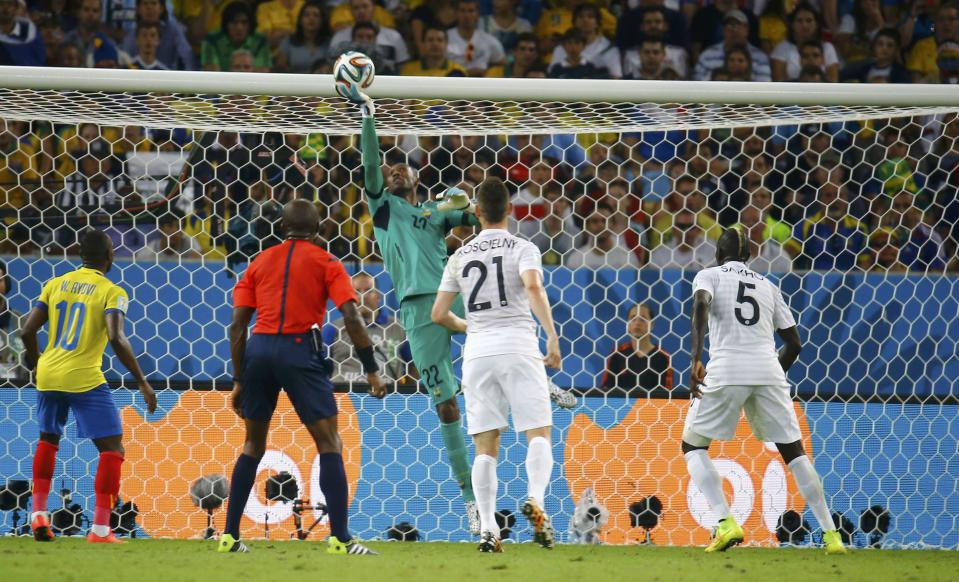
x=454 y=199
x=366 y=105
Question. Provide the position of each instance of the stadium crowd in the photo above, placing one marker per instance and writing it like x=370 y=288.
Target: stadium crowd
x=873 y=196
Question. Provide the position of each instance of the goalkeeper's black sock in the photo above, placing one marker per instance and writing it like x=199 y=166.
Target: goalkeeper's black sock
x=336 y=490
x=244 y=474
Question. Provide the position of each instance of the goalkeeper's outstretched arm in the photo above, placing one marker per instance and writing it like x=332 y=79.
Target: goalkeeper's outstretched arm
x=370 y=150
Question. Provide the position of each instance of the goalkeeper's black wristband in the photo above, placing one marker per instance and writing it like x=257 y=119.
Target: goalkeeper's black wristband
x=367 y=359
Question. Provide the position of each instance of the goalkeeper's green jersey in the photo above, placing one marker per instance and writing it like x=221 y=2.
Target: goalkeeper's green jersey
x=410 y=238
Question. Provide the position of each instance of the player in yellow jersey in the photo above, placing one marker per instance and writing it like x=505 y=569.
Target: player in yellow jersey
x=85 y=310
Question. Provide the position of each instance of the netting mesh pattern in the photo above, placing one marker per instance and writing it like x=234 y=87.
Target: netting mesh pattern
x=856 y=221
x=400 y=117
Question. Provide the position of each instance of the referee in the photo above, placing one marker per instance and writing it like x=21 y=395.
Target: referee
x=288 y=286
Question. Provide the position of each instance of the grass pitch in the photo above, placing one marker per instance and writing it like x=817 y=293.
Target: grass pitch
x=73 y=560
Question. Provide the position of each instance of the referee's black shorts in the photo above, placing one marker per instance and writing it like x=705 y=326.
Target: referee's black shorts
x=285 y=361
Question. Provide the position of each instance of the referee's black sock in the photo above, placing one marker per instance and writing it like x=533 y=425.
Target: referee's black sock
x=244 y=473
x=336 y=490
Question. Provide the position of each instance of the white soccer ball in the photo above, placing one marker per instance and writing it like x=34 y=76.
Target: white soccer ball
x=352 y=73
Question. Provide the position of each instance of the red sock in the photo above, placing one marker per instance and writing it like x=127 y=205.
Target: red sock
x=44 y=461
x=106 y=486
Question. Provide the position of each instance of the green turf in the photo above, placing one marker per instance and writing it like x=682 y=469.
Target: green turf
x=68 y=560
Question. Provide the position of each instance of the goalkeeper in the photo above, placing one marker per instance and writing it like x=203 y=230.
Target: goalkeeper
x=412 y=241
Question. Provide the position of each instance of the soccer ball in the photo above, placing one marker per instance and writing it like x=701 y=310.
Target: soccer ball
x=352 y=73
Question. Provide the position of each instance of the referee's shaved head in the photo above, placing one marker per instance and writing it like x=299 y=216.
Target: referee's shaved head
x=301 y=219
x=733 y=245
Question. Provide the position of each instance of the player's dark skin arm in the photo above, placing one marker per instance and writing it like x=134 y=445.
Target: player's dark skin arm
x=238 y=330
x=701 y=303
x=124 y=351
x=356 y=328
x=28 y=334
x=792 y=346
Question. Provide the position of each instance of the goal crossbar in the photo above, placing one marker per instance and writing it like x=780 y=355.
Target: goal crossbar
x=424 y=105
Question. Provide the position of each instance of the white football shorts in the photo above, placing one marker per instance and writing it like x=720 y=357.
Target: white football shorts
x=494 y=386
x=769 y=410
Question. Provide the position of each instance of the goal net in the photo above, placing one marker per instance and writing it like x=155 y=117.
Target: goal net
x=848 y=194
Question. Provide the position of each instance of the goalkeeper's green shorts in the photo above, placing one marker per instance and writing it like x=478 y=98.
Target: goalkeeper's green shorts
x=430 y=346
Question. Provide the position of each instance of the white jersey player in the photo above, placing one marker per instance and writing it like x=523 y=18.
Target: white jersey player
x=743 y=311
x=501 y=279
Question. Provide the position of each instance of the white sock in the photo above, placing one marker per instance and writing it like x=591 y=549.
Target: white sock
x=100 y=530
x=705 y=476
x=34 y=515
x=539 y=467
x=810 y=486
x=484 y=487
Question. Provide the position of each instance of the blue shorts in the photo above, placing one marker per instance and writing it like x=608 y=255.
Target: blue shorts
x=94 y=410
x=287 y=362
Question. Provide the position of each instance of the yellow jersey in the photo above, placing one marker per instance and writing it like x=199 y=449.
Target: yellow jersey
x=77 y=304
x=418 y=68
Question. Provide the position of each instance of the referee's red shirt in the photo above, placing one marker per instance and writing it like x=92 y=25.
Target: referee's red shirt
x=289 y=284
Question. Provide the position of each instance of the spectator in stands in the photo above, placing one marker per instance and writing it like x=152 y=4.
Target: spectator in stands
x=438 y=13
x=772 y=25
x=90 y=187
x=811 y=75
x=686 y=195
x=69 y=55
x=574 y=65
x=738 y=64
x=390 y=348
x=687 y=248
x=236 y=32
x=777 y=230
x=805 y=24
x=655 y=25
x=882 y=255
x=858 y=29
x=171 y=244
x=916 y=23
x=6 y=288
x=768 y=256
x=52 y=34
x=884 y=66
x=255 y=225
x=346 y=14
x=309 y=43
x=277 y=19
x=651 y=64
x=365 y=40
x=632 y=20
x=241 y=61
x=830 y=239
x=433 y=61
x=523 y=60
x=147 y=43
x=173 y=49
x=90 y=34
x=895 y=168
x=505 y=24
x=207 y=222
x=638 y=367
x=20 y=40
x=474 y=49
x=921 y=246
x=735 y=34
x=936 y=59
x=708 y=25
x=599 y=247
x=597 y=50
x=388 y=41
x=555 y=235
